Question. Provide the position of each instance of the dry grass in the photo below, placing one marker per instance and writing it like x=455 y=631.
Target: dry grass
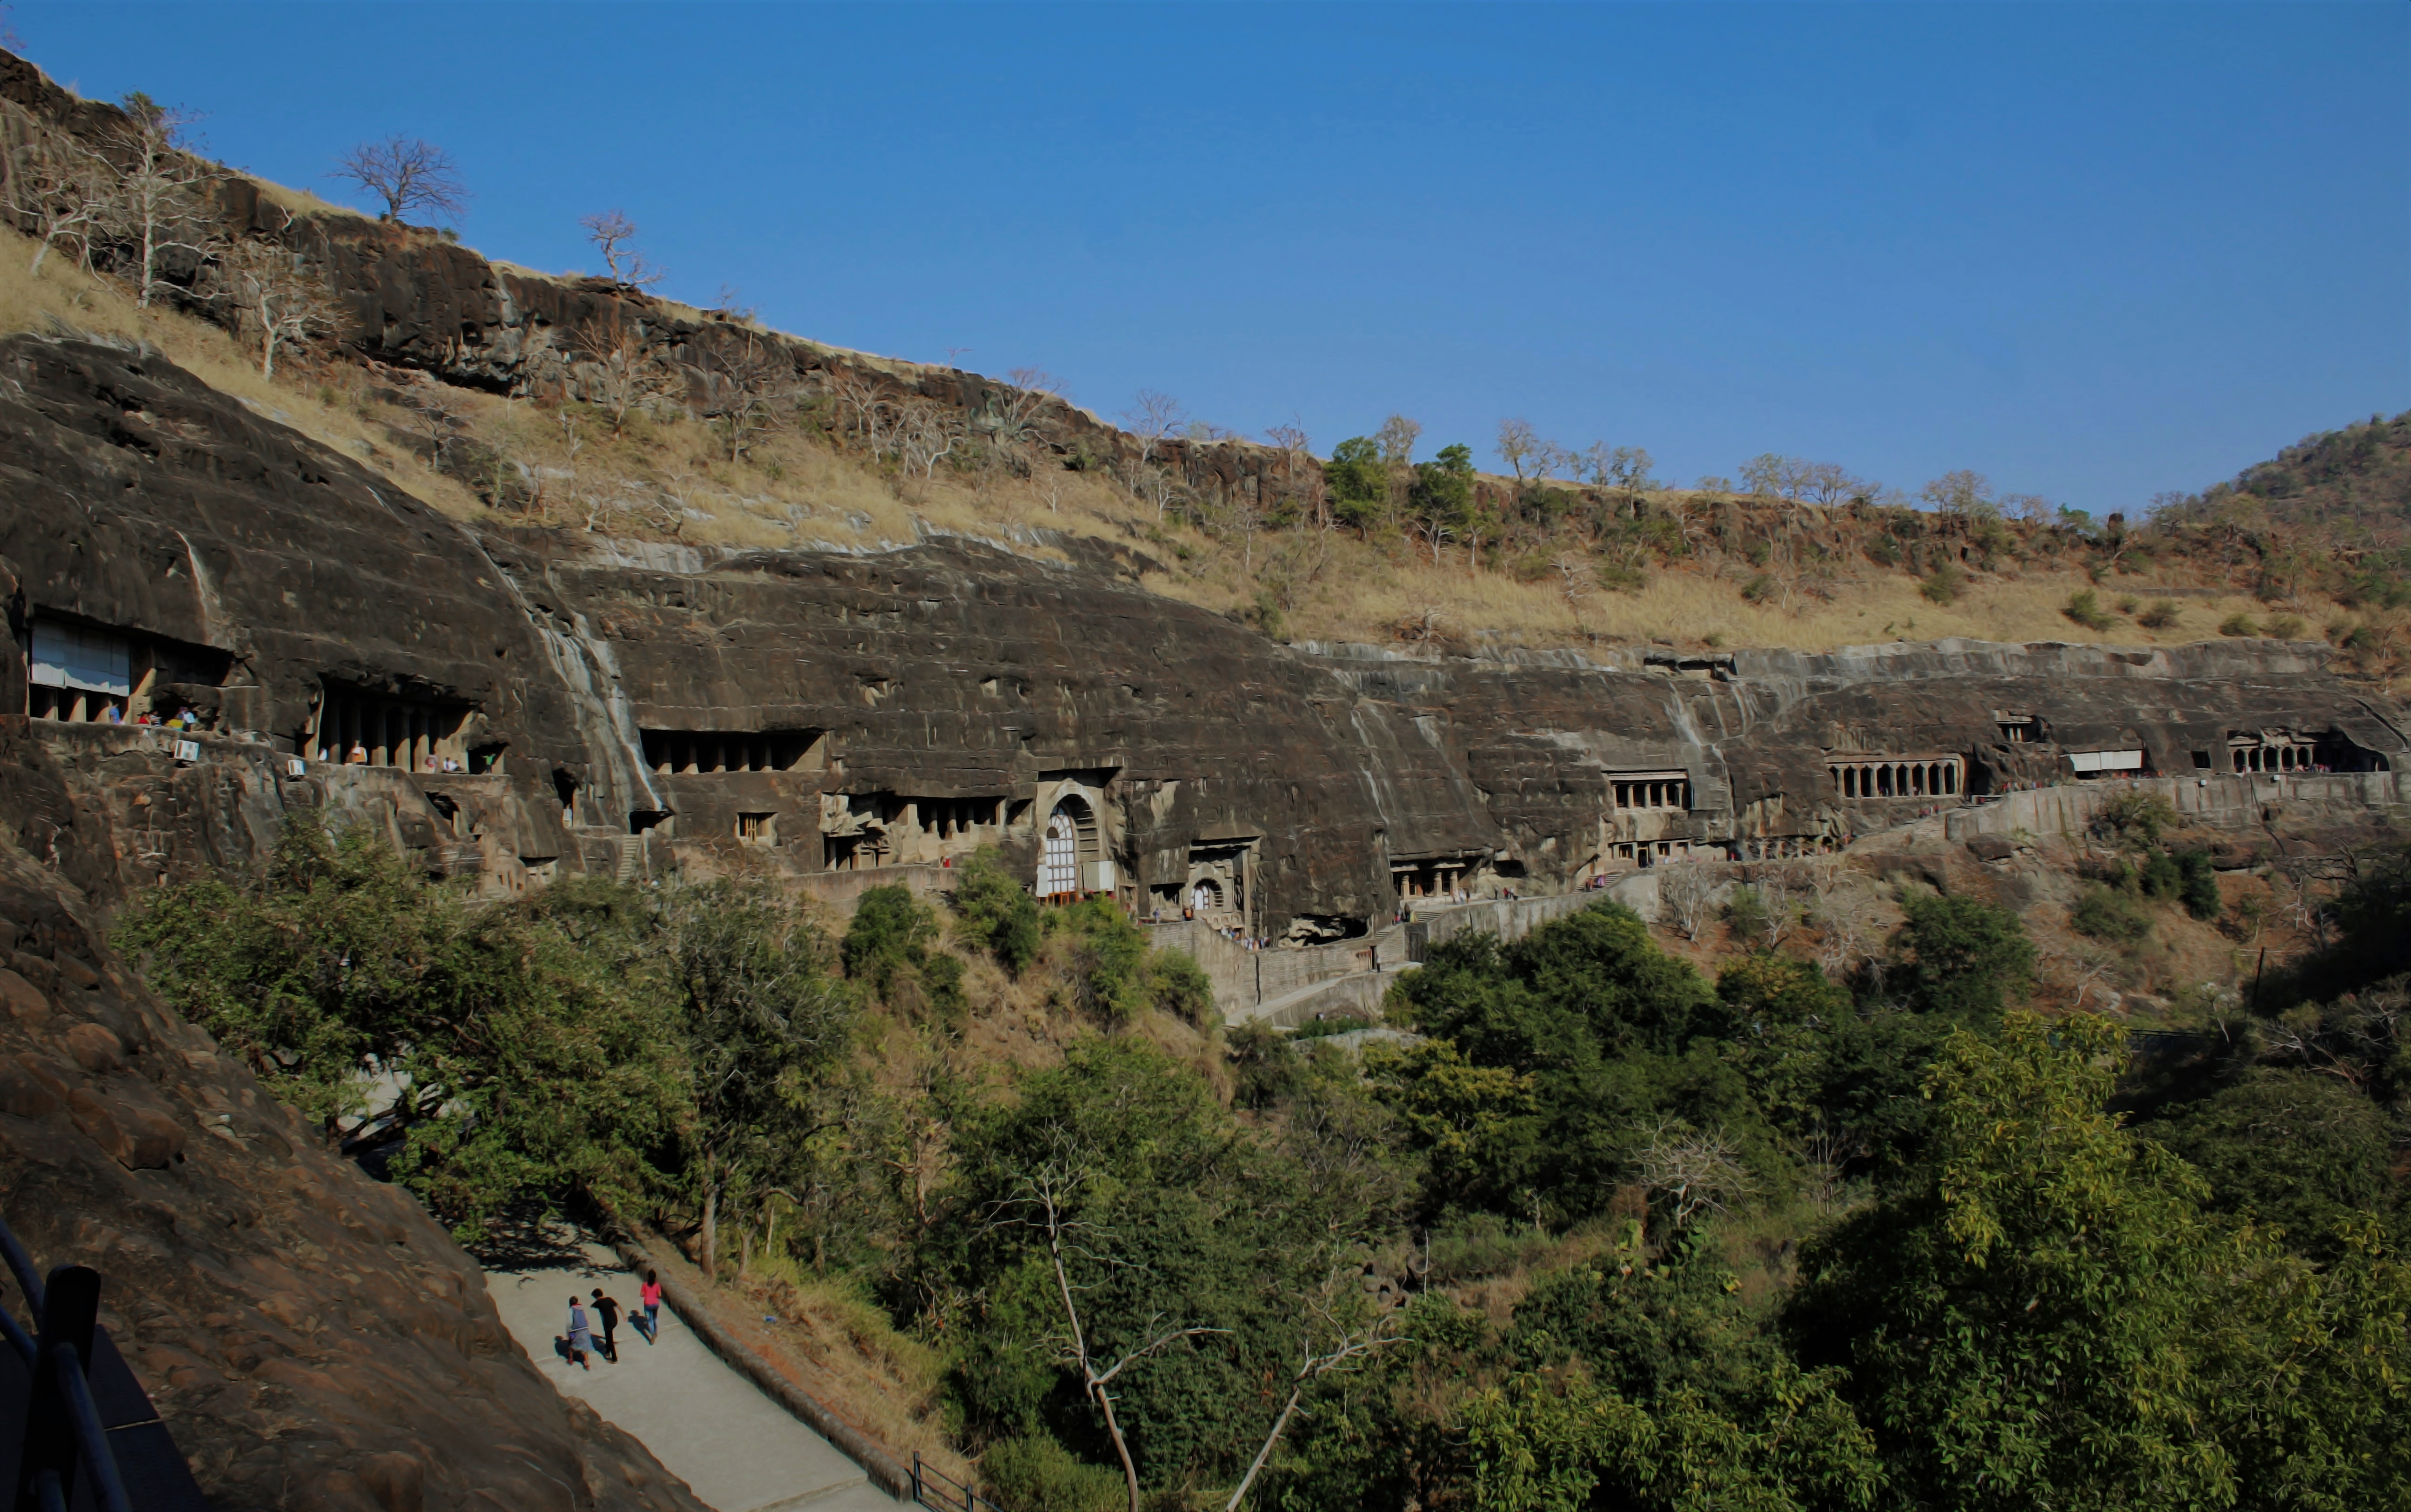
x=667 y=477
x=322 y=407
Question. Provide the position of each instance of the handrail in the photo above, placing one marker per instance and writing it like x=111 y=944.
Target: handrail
x=19 y=1339
x=21 y=1265
x=951 y=1494
x=60 y=1411
x=91 y=1438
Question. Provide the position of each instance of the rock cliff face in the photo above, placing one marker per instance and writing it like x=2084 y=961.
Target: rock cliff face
x=613 y=707
x=311 y=1338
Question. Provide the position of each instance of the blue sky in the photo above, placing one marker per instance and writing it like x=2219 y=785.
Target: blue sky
x=2093 y=251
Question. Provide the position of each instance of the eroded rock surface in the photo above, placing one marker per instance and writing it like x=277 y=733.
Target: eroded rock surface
x=624 y=708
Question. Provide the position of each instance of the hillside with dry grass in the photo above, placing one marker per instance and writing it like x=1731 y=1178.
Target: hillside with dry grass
x=1556 y=565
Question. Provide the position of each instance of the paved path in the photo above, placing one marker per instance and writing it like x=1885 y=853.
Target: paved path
x=740 y=1450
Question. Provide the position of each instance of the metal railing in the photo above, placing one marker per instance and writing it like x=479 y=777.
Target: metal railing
x=62 y=1427
x=934 y=1489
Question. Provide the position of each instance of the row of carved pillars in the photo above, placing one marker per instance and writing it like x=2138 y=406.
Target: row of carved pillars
x=1897 y=780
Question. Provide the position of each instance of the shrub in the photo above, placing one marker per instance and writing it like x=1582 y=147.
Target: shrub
x=1117 y=976
x=1945 y=583
x=2197 y=887
x=997 y=913
x=2239 y=624
x=2162 y=614
x=1746 y=911
x=1965 y=956
x=1264 y=1065
x=1336 y=1023
x=1758 y=589
x=2286 y=627
x=2136 y=820
x=2105 y=913
x=1037 y=1475
x=2085 y=608
x=891 y=931
x=2127 y=604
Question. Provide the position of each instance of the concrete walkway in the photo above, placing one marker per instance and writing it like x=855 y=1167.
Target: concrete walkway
x=737 y=1449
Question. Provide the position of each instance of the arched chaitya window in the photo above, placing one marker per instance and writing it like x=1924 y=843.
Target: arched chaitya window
x=1058 y=869
x=1207 y=898
x=1071 y=840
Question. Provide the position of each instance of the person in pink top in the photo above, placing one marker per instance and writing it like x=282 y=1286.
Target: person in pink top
x=651 y=1295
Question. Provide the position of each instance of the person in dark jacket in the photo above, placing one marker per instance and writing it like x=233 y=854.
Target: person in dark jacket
x=607 y=1309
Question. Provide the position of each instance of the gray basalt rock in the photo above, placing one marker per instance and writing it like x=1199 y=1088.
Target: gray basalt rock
x=810 y=709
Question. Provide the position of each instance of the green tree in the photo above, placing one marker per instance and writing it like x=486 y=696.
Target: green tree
x=1963 y=958
x=2292 y=1148
x=996 y=911
x=1117 y=974
x=1358 y=477
x=763 y=1021
x=1164 y=1216
x=534 y=1046
x=1601 y=1034
x=2043 y=1315
x=1440 y=498
x=1564 y=1444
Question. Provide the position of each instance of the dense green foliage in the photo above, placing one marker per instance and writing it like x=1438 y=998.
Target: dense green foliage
x=1607 y=1234
x=997 y=914
x=520 y=1044
x=891 y=949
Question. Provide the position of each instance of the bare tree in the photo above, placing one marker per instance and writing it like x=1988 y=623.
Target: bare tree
x=1779 y=887
x=1151 y=417
x=1246 y=517
x=1328 y=1344
x=1519 y=446
x=1040 y=1204
x=613 y=235
x=1576 y=581
x=1840 y=907
x=1963 y=492
x=1297 y=456
x=1828 y=1152
x=434 y=420
x=1396 y=438
x=864 y=409
x=1158 y=488
x=620 y=376
x=740 y=373
x=407 y=174
x=278 y=298
x=158 y=185
x=1423 y=623
x=926 y=433
x=1695 y=1171
x=1687 y=896
x=65 y=198
x=1018 y=410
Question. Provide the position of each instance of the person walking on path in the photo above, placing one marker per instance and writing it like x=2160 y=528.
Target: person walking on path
x=582 y=1335
x=607 y=1309
x=651 y=1295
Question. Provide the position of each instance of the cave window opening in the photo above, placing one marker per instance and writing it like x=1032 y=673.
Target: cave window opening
x=715 y=753
x=365 y=727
